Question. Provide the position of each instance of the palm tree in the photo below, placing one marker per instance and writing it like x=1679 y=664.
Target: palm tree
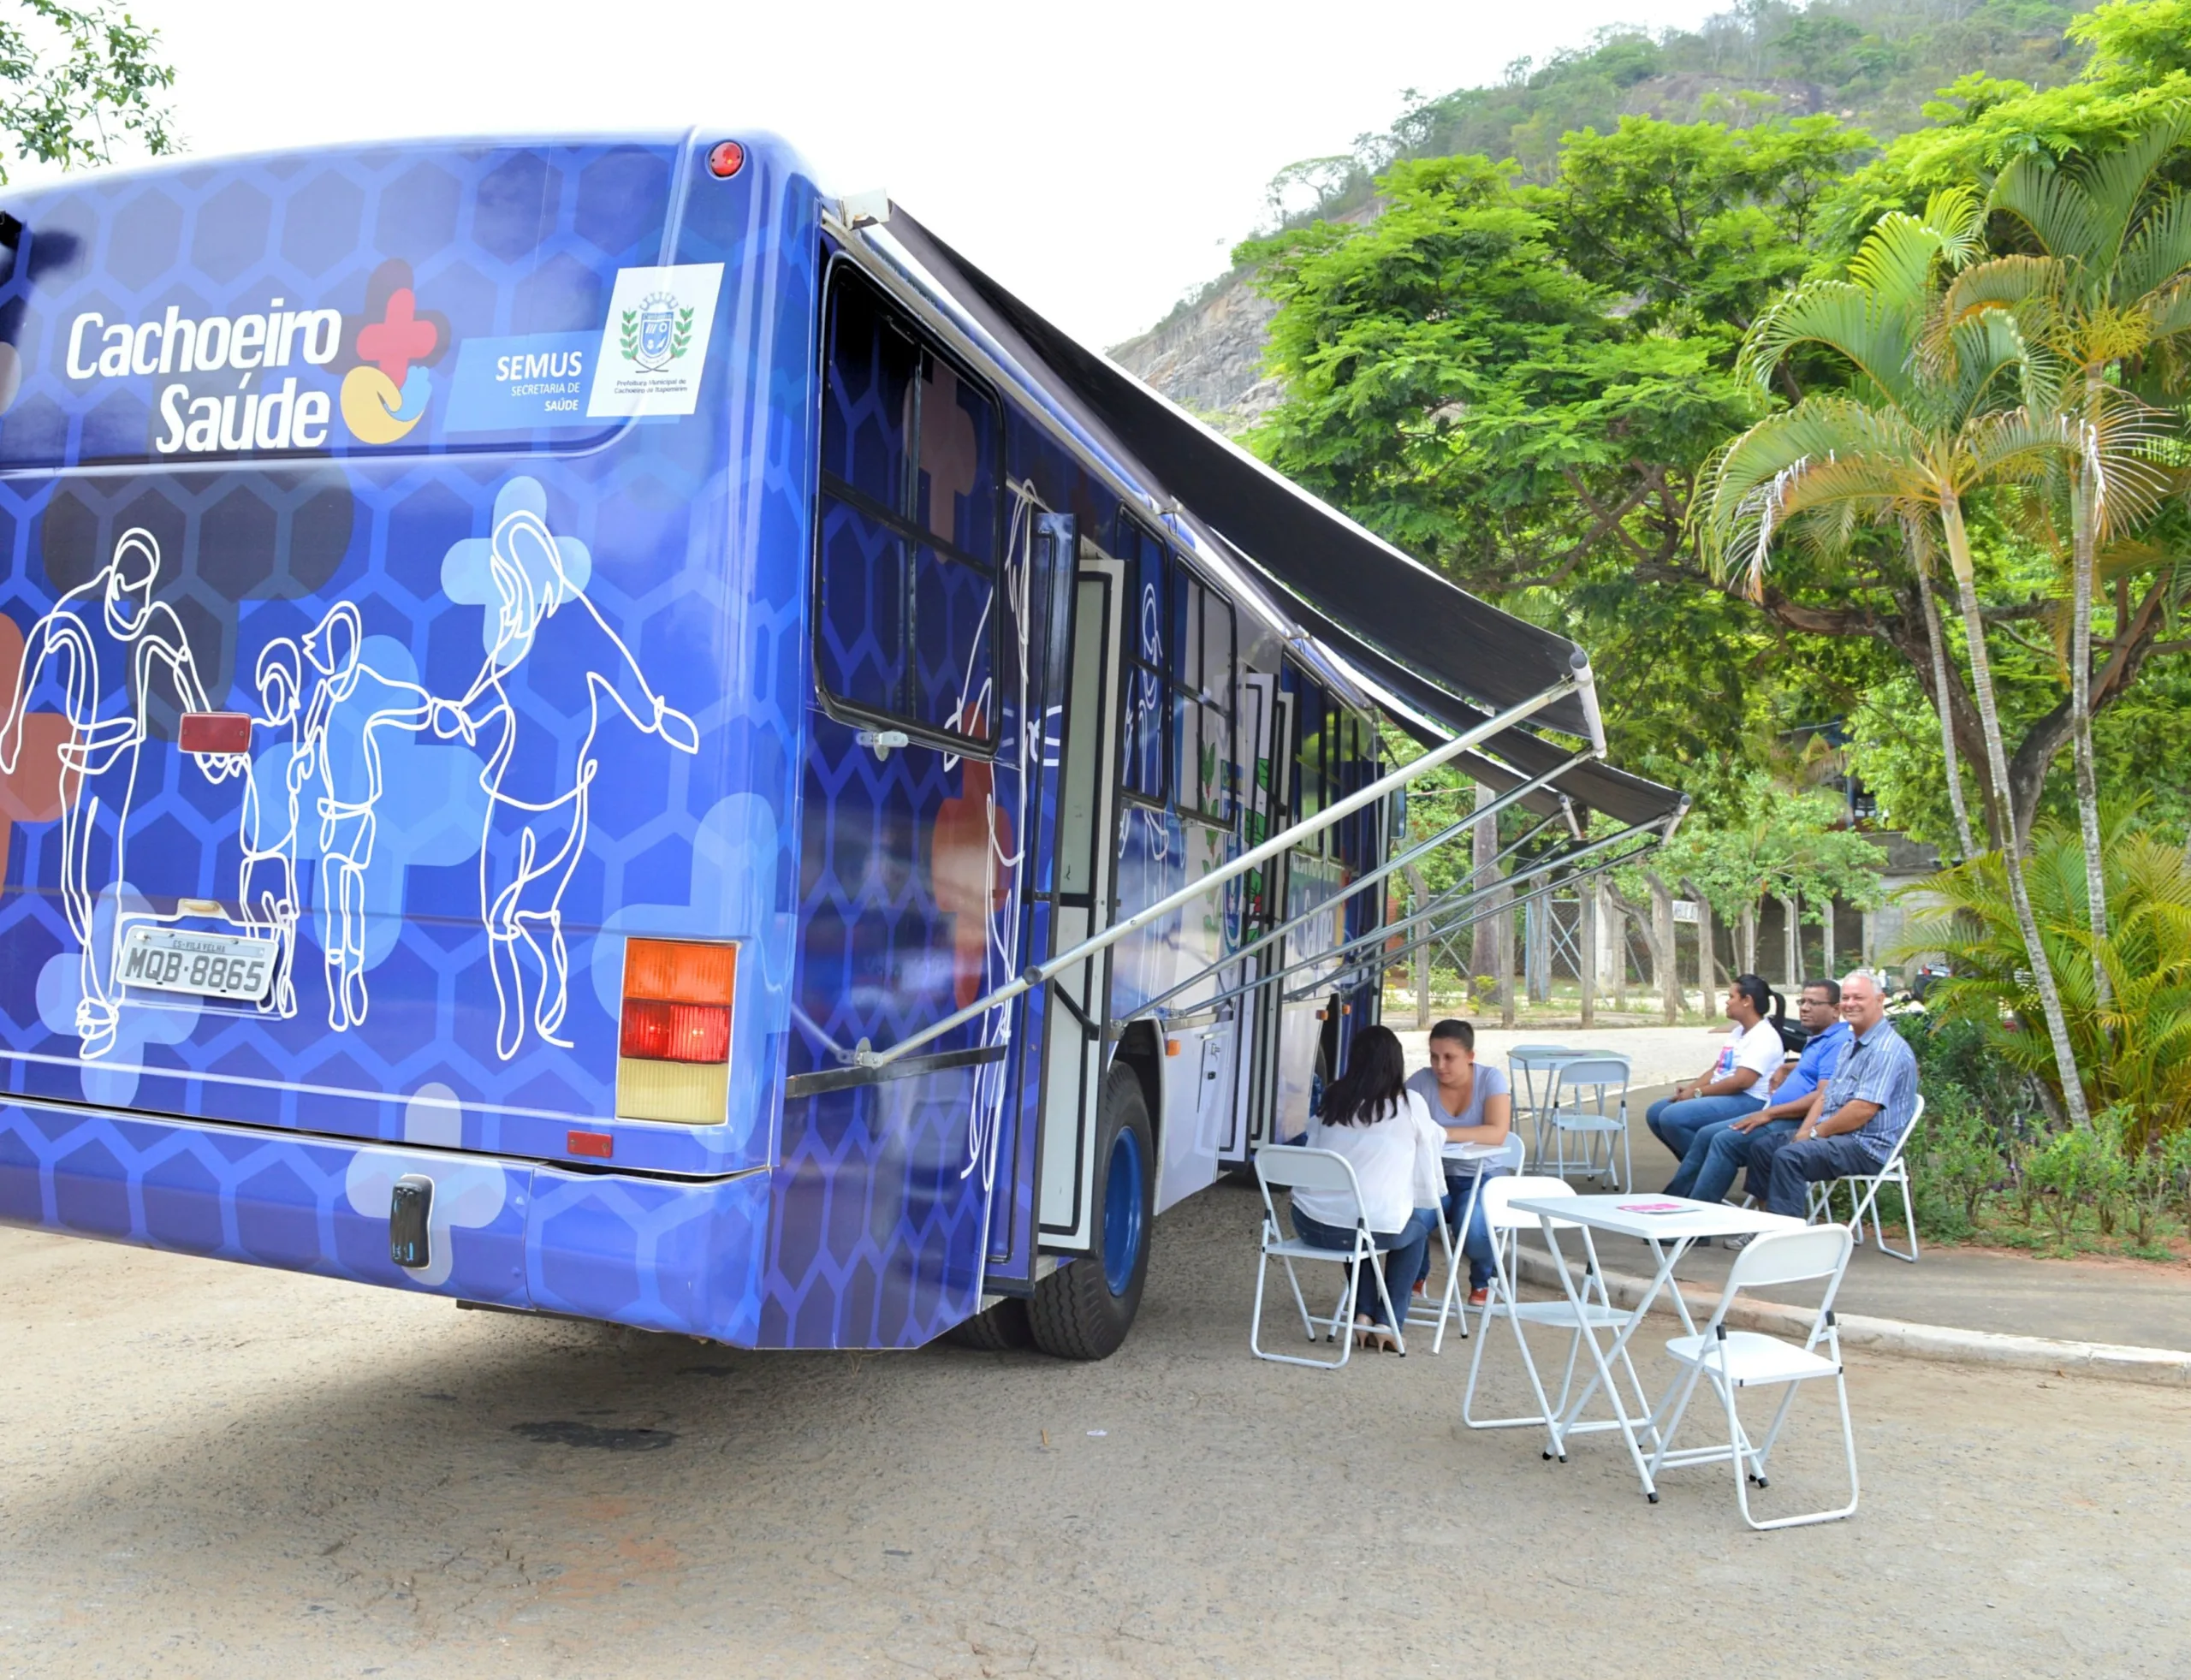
x=1929 y=422
x=2111 y=285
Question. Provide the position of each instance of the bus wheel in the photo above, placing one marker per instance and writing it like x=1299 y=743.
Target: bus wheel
x=998 y=1329
x=1084 y=1310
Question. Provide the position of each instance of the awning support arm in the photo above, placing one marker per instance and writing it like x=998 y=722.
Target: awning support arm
x=1487 y=813
x=1448 y=903
x=1446 y=930
x=1255 y=856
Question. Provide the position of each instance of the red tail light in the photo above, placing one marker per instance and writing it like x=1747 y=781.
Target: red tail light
x=676 y=1032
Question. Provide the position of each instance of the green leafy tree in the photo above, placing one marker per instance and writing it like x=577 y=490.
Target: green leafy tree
x=2146 y=1024
x=77 y=80
x=1927 y=427
x=2107 y=291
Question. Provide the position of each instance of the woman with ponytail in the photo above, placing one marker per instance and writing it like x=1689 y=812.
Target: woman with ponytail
x=1382 y=1128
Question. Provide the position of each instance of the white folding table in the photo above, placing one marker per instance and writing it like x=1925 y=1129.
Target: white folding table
x=1670 y=1235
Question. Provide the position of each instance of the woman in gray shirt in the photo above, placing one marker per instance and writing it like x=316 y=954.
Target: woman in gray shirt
x=1474 y=1103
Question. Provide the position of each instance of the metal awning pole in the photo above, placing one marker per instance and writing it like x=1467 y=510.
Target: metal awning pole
x=1446 y=929
x=1283 y=841
x=1448 y=903
x=1444 y=900
x=1488 y=813
x=1443 y=930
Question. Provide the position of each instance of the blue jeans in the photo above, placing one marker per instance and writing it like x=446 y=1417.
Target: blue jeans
x=1796 y=1167
x=1476 y=1241
x=1406 y=1251
x=1676 y=1124
x=1719 y=1152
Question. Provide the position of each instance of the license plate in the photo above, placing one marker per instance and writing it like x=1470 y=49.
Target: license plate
x=213 y=965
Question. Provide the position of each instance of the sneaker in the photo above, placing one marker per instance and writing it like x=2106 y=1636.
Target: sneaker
x=1422 y=1287
x=1737 y=1242
x=1477 y=1298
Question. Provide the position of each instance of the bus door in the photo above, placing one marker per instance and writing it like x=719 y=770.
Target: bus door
x=1254 y=1036
x=1072 y=1013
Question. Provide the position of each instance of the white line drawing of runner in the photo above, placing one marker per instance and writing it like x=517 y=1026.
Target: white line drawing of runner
x=266 y=881
x=535 y=827
x=109 y=635
x=351 y=703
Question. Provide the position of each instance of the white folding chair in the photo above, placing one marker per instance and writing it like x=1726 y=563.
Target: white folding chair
x=1864 y=1194
x=1527 y=1066
x=1450 y=1304
x=1290 y=1167
x=1739 y=1359
x=1507 y=1224
x=1588 y=1100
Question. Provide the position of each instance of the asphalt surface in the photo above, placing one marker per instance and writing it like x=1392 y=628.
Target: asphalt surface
x=207 y=1470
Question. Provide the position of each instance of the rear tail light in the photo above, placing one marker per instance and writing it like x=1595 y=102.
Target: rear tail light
x=675 y=1032
x=673 y=1039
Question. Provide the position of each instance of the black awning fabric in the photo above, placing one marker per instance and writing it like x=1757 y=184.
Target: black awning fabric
x=1388 y=602
x=1595 y=786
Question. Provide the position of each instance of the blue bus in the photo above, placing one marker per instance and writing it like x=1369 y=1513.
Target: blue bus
x=592 y=730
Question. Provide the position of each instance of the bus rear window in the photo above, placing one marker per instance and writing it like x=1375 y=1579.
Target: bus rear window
x=908 y=528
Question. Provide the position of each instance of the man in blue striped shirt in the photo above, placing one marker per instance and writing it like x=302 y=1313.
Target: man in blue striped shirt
x=1858 y=1115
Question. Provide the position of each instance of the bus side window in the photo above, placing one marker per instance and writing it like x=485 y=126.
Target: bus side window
x=1309 y=775
x=1201 y=697
x=1147 y=622
x=906 y=622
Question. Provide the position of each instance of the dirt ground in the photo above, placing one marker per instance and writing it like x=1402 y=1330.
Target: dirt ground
x=206 y=1470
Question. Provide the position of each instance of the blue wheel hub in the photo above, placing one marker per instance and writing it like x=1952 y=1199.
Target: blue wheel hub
x=1124 y=1180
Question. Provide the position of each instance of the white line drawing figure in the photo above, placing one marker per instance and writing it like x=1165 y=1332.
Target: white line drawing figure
x=351 y=703
x=266 y=881
x=536 y=798
x=110 y=638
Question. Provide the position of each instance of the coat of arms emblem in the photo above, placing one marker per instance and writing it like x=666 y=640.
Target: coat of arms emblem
x=657 y=333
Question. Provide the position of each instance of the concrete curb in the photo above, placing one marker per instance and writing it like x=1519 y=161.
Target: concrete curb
x=2161 y=1367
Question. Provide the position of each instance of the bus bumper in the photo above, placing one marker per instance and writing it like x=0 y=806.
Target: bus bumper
x=656 y=1254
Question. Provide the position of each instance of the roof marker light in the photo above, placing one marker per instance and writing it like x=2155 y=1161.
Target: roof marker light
x=726 y=159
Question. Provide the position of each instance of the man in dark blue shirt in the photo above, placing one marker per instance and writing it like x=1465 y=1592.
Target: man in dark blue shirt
x=1716 y=1154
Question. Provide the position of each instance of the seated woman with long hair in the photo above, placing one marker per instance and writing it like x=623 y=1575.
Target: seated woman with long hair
x=1382 y=1128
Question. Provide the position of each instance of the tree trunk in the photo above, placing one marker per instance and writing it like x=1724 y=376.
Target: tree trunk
x=1791 y=941
x=1483 y=946
x=1420 y=889
x=1586 y=948
x=1920 y=547
x=1826 y=967
x=2084 y=525
x=1666 y=969
x=1502 y=928
x=1981 y=683
x=1749 y=939
x=1708 y=953
x=1618 y=916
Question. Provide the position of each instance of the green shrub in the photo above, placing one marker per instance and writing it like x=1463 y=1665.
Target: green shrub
x=1954 y=1160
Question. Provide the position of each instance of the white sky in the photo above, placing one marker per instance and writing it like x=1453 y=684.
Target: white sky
x=1098 y=159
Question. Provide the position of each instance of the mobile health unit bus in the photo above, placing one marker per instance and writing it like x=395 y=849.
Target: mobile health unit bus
x=589 y=729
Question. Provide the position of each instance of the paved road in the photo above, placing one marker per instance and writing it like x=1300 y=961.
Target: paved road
x=212 y=1470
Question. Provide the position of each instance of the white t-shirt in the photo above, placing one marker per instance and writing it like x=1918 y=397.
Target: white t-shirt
x=1759 y=1048
x=1395 y=1162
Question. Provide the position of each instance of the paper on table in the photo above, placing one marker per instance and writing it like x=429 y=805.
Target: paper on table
x=1653 y=1206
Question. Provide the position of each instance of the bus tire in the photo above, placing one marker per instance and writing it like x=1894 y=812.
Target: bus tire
x=1002 y=1328
x=1083 y=1309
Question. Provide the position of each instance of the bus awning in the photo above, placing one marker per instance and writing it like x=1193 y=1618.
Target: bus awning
x=1389 y=604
